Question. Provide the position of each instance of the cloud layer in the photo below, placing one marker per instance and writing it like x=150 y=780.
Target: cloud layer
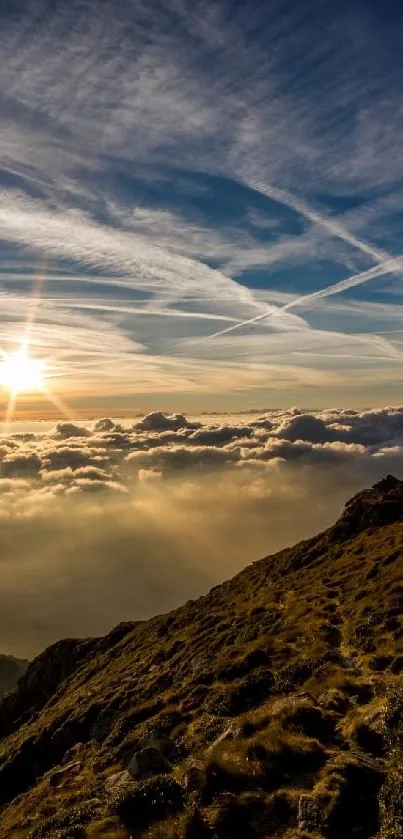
x=108 y=522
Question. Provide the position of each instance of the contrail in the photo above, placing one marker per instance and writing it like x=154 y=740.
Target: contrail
x=386 y=264
x=332 y=225
x=396 y=263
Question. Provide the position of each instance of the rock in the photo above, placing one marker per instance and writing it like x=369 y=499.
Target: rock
x=195 y=777
x=55 y=778
x=380 y=505
x=116 y=782
x=148 y=761
x=310 y=816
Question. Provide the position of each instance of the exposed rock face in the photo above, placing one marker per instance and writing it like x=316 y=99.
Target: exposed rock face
x=382 y=504
x=272 y=706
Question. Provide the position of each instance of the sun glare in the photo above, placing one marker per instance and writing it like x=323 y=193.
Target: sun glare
x=21 y=374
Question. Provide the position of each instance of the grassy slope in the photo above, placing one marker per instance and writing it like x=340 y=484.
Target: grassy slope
x=301 y=652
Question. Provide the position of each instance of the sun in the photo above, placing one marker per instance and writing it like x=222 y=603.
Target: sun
x=21 y=374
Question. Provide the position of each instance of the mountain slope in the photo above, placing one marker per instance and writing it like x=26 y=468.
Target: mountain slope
x=270 y=707
x=10 y=671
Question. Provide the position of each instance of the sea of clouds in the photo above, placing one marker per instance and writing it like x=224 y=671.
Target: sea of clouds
x=108 y=522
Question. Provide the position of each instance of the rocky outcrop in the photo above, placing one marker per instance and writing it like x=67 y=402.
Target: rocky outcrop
x=380 y=505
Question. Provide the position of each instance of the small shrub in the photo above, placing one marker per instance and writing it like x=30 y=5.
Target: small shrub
x=380 y=662
x=370 y=740
x=288 y=760
x=138 y=805
x=293 y=674
x=243 y=666
x=312 y=722
x=233 y=821
x=356 y=808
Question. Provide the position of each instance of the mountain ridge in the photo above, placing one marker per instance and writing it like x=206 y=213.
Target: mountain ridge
x=301 y=653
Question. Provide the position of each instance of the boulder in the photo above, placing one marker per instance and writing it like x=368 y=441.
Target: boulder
x=148 y=761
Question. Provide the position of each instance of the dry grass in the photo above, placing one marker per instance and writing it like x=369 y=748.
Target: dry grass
x=300 y=654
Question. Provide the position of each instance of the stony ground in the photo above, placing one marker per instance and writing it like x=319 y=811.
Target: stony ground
x=272 y=707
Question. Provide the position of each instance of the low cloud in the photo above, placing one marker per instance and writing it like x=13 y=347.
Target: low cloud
x=158 y=421
x=108 y=522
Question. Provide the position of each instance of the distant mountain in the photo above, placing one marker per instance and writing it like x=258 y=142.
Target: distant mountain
x=272 y=707
x=10 y=671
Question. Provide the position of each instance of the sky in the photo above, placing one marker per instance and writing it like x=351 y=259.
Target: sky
x=201 y=203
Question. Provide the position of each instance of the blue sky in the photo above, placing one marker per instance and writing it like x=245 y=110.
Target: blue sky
x=201 y=203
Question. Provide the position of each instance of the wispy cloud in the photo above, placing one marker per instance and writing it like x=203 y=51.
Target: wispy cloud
x=187 y=168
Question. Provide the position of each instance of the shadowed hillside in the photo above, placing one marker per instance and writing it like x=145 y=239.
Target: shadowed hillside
x=270 y=707
x=10 y=671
